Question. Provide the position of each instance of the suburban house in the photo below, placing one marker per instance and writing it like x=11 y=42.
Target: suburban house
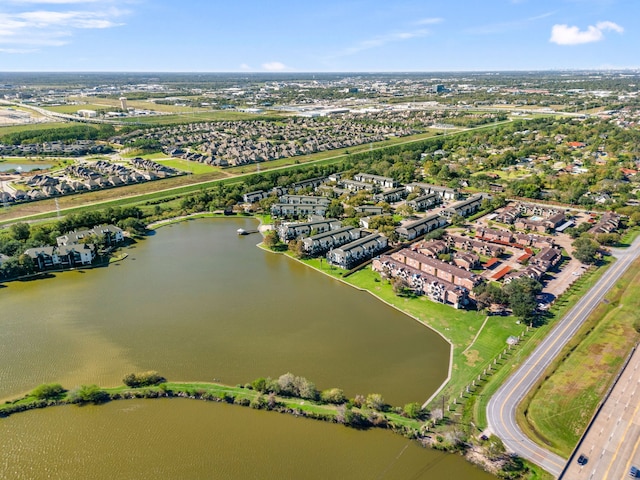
x=384 y=182
x=292 y=231
x=358 y=251
x=414 y=229
x=445 y=193
x=323 y=242
x=464 y=208
x=442 y=270
x=421 y=282
x=424 y=202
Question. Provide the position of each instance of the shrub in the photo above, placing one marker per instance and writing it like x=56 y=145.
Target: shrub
x=88 y=394
x=48 y=391
x=144 y=379
x=333 y=395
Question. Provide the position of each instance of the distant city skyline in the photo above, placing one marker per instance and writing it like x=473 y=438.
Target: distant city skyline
x=332 y=36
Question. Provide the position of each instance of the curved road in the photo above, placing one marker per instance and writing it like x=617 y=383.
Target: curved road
x=501 y=411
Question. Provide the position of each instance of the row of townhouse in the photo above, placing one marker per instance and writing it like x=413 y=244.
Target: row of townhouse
x=464 y=208
x=445 y=193
x=540 y=264
x=543 y=225
x=384 y=182
x=416 y=228
x=356 y=186
x=442 y=270
x=505 y=237
x=111 y=234
x=323 y=242
x=392 y=195
x=508 y=215
x=304 y=200
x=538 y=210
x=423 y=283
x=297 y=209
x=293 y=231
x=65 y=256
x=435 y=248
x=352 y=254
x=475 y=246
x=609 y=223
x=425 y=202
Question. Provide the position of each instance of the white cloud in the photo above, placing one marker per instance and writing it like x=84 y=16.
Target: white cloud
x=50 y=27
x=245 y=67
x=503 y=27
x=275 y=66
x=563 y=34
x=381 y=40
x=17 y=50
x=429 y=21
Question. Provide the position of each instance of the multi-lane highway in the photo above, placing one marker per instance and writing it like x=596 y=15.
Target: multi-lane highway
x=611 y=446
x=501 y=411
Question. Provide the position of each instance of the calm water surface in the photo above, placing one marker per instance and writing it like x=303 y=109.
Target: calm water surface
x=197 y=302
x=23 y=167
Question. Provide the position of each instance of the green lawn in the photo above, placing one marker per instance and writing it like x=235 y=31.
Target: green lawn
x=71 y=109
x=32 y=126
x=558 y=413
x=187 y=166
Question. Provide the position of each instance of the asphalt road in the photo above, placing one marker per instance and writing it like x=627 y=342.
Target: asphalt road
x=501 y=411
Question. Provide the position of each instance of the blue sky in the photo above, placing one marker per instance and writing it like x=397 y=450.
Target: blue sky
x=317 y=36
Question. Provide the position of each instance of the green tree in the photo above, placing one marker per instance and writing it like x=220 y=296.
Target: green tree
x=20 y=231
x=412 y=410
x=586 y=250
x=335 y=209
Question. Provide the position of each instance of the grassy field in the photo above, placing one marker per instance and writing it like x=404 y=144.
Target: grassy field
x=71 y=109
x=558 y=412
x=32 y=126
x=192 y=117
x=187 y=166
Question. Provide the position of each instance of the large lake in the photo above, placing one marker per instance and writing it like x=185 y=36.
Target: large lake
x=197 y=302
